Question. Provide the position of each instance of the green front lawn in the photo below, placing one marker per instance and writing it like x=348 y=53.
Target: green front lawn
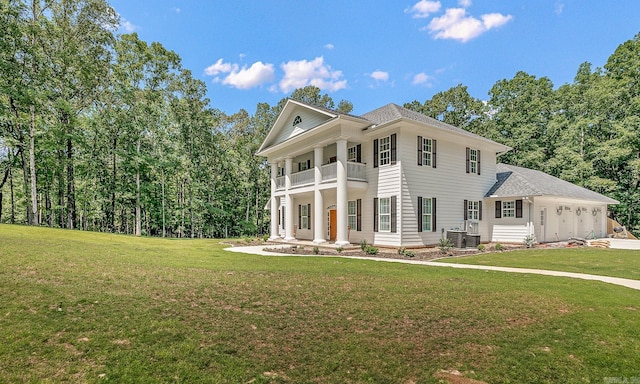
x=606 y=262
x=86 y=307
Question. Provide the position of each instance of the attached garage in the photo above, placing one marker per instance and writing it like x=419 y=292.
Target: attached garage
x=533 y=203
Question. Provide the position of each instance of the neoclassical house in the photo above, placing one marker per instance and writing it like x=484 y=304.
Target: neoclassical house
x=394 y=177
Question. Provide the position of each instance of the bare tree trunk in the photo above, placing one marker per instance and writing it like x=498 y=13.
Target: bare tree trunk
x=25 y=176
x=164 y=228
x=71 y=190
x=191 y=210
x=138 y=213
x=32 y=167
x=13 y=200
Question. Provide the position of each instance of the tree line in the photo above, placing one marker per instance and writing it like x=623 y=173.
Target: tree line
x=586 y=132
x=106 y=132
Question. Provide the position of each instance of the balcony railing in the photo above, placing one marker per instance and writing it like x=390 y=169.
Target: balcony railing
x=329 y=171
x=302 y=178
x=355 y=171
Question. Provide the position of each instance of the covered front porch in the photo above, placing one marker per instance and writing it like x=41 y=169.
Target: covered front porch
x=312 y=203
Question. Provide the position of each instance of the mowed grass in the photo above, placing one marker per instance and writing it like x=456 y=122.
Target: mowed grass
x=606 y=262
x=87 y=307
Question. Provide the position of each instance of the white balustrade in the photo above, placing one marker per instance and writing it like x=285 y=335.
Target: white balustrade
x=302 y=177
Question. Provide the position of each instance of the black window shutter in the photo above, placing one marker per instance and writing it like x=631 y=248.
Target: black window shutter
x=419 y=150
x=393 y=149
x=433 y=214
x=434 y=149
x=359 y=215
x=419 y=213
x=283 y=216
x=478 y=152
x=480 y=210
x=375 y=214
x=308 y=163
x=466 y=210
x=308 y=216
x=375 y=153
x=518 y=208
x=394 y=226
x=299 y=216
x=498 y=209
x=359 y=153
x=468 y=154
x=299 y=166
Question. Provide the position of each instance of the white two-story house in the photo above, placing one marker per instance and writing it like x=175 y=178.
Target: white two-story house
x=394 y=177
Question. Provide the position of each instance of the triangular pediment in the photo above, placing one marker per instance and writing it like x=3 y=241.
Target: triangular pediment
x=295 y=119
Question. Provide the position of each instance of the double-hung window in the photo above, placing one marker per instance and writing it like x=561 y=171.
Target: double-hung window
x=385 y=150
x=352 y=215
x=304 y=216
x=352 y=154
x=427 y=214
x=384 y=214
x=427 y=151
x=509 y=208
x=473 y=210
x=473 y=160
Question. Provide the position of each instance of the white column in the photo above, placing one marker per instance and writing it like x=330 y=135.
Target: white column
x=274 y=202
x=288 y=225
x=341 y=193
x=318 y=201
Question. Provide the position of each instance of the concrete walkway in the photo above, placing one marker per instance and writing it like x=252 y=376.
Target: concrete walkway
x=629 y=283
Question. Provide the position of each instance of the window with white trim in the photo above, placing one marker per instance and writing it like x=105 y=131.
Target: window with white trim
x=427 y=214
x=384 y=214
x=473 y=160
x=427 y=151
x=352 y=154
x=509 y=208
x=352 y=215
x=473 y=210
x=304 y=216
x=384 y=150
x=303 y=165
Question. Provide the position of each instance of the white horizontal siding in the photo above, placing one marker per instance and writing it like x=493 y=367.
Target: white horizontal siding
x=448 y=183
x=509 y=233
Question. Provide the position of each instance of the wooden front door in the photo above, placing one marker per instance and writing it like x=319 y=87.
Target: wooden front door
x=333 y=227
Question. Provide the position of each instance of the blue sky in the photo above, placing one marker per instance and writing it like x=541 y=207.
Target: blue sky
x=374 y=53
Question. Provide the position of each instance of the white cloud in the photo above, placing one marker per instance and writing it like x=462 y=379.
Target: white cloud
x=242 y=78
x=218 y=67
x=558 y=8
x=423 y=8
x=251 y=77
x=177 y=10
x=494 y=20
x=128 y=26
x=329 y=46
x=423 y=79
x=455 y=24
x=298 y=74
x=464 y=3
x=380 y=75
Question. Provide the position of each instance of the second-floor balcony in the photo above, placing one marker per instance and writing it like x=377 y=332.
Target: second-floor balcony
x=355 y=171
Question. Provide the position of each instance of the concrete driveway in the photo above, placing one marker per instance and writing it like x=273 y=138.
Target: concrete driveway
x=623 y=243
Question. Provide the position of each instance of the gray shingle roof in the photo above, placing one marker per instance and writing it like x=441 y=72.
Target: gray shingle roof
x=515 y=181
x=392 y=112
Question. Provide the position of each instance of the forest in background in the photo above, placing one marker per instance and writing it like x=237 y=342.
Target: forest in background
x=106 y=132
